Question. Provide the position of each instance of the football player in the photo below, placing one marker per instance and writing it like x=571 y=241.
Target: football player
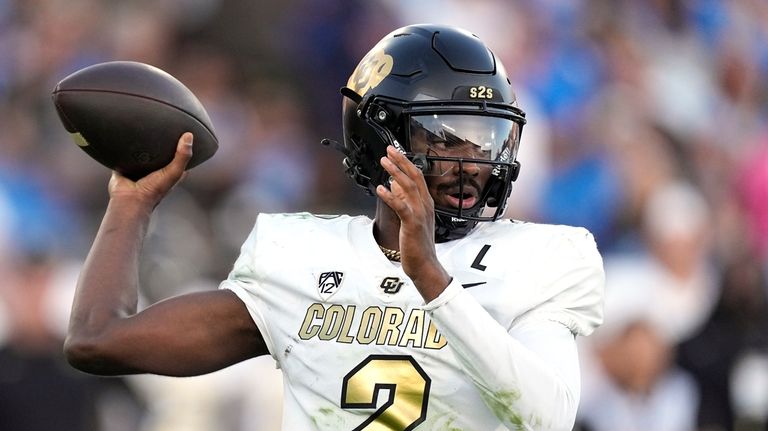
x=435 y=314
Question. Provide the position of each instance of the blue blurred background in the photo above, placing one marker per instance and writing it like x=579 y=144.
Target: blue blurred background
x=648 y=124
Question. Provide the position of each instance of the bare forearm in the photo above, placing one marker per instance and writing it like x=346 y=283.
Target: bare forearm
x=108 y=284
x=430 y=280
x=182 y=336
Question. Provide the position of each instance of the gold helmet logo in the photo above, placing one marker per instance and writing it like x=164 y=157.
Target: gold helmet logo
x=373 y=68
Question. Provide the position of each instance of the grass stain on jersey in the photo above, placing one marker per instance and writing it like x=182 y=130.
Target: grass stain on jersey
x=327 y=418
x=501 y=403
x=451 y=428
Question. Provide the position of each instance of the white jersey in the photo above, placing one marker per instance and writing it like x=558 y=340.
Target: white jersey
x=360 y=349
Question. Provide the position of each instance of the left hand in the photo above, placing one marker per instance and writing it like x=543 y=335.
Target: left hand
x=410 y=199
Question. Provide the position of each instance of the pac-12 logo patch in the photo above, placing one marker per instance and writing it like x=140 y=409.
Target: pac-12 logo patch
x=328 y=283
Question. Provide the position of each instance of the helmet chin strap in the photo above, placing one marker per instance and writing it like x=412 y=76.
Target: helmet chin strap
x=448 y=228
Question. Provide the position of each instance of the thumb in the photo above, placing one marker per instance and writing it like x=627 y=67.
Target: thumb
x=176 y=167
x=183 y=152
x=169 y=175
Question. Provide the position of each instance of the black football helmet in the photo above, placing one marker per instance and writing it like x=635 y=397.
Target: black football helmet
x=439 y=95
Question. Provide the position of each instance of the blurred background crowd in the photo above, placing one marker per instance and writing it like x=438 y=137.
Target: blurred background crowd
x=648 y=124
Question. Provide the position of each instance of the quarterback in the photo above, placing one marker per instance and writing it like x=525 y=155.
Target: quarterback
x=437 y=314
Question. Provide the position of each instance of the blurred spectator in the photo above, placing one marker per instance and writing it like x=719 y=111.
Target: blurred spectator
x=754 y=194
x=624 y=98
x=33 y=372
x=726 y=354
x=631 y=383
x=657 y=296
x=245 y=396
x=672 y=262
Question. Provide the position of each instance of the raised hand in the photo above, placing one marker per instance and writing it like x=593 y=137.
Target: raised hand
x=410 y=199
x=152 y=188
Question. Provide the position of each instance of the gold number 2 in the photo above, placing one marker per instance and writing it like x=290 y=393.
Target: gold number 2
x=408 y=387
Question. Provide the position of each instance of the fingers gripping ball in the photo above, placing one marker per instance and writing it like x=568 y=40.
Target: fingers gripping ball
x=128 y=116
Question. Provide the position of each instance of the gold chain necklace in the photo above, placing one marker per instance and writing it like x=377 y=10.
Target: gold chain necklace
x=393 y=255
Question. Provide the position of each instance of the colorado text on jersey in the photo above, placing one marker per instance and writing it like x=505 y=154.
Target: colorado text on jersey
x=390 y=326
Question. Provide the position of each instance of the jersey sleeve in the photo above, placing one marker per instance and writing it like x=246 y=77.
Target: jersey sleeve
x=570 y=282
x=528 y=375
x=244 y=280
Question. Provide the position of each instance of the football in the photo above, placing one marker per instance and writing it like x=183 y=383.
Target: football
x=129 y=116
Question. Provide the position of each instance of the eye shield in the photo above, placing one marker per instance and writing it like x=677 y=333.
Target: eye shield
x=463 y=145
x=461 y=138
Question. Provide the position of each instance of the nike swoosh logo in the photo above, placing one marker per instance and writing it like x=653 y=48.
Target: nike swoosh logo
x=468 y=285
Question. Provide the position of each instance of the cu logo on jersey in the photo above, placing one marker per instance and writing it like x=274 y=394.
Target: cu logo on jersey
x=391 y=285
x=328 y=283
